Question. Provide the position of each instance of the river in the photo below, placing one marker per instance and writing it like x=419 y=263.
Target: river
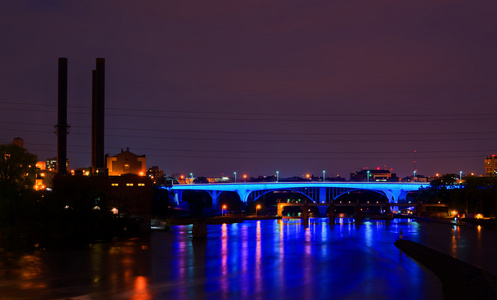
x=267 y=259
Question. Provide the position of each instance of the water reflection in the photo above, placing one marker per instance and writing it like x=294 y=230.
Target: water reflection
x=254 y=259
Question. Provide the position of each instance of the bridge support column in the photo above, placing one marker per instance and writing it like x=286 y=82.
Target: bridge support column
x=215 y=198
x=243 y=195
x=394 y=196
x=178 y=197
x=322 y=195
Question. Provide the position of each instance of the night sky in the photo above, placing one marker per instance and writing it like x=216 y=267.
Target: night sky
x=213 y=87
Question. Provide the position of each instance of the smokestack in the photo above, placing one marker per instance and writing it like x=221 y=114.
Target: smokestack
x=62 y=126
x=98 y=113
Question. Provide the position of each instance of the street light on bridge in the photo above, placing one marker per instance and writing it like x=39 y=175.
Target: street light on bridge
x=460 y=176
x=244 y=177
x=367 y=175
x=324 y=175
x=235 y=176
x=191 y=175
x=277 y=175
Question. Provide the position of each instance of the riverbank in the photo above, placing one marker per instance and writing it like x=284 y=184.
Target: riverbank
x=460 y=280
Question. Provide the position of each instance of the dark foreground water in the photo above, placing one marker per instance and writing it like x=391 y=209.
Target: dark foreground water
x=267 y=259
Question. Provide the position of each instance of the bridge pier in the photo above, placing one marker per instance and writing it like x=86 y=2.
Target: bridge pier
x=215 y=198
x=322 y=195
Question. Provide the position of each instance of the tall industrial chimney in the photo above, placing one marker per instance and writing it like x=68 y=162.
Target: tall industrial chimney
x=98 y=113
x=62 y=118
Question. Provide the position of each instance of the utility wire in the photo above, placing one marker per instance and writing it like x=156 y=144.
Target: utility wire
x=265 y=132
x=282 y=152
x=268 y=140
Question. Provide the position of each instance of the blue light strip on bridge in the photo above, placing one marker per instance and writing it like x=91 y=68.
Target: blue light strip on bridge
x=252 y=186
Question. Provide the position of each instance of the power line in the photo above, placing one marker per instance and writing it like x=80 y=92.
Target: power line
x=269 y=140
x=266 y=133
x=284 y=152
x=291 y=158
x=419 y=117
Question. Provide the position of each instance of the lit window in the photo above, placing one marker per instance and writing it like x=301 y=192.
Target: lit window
x=129 y=184
x=115 y=184
x=141 y=184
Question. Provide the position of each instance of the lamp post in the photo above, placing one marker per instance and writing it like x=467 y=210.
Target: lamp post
x=257 y=207
x=414 y=176
x=460 y=176
x=224 y=209
x=324 y=175
x=244 y=177
x=235 y=176
x=367 y=175
x=191 y=175
x=277 y=175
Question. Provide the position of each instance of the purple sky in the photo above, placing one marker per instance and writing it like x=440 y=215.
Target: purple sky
x=213 y=87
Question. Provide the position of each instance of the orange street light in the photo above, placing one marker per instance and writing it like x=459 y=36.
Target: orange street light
x=224 y=209
x=256 y=209
x=244 y=177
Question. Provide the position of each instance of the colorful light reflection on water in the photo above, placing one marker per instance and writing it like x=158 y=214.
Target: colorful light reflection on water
x=265 y=259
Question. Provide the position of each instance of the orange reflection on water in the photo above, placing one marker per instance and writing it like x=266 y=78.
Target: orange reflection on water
x=258 y=256
x=453 y=241
x=31 y=269
x=141 y=290
x=224 y=257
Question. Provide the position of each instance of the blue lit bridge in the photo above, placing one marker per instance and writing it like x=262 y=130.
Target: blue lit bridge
x=317 y=192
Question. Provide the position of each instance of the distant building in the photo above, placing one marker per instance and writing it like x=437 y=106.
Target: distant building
x=491 y=165
x=419 y=178
x=126 y=162
x=156 y=175
x=374 y=175
x=126 y=195
x=44 y=180
x=51 y=164
x=218 y=179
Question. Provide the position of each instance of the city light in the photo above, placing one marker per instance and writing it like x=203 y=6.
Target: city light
x=324 y=175
x=223 y=211
x=277 y=175
x=234 y=173
x=256 y=209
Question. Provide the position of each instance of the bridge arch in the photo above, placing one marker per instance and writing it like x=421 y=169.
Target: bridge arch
x=379 y=192
x=265 y=192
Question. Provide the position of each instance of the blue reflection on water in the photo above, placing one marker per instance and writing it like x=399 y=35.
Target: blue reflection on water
x=284 y=259
x=268 y=259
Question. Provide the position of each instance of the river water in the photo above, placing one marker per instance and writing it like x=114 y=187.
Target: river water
x=267 y=259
